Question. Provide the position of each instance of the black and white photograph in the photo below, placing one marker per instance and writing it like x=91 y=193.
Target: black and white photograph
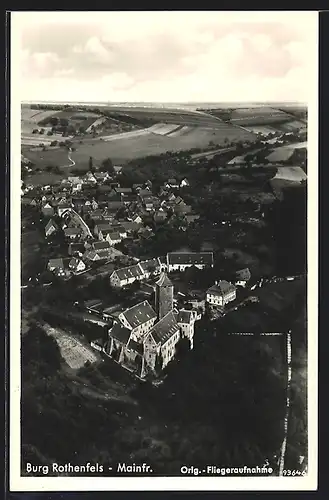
x=163 y=330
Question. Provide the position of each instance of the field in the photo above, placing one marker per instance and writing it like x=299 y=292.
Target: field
x=127 y=146
x=285 y=152
x=165 y=115
x=295 y=174
x=74 y=352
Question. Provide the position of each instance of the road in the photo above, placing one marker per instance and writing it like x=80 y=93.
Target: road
x=286 y=419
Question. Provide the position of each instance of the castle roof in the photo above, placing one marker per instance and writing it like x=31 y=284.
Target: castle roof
x=164 y=280
x=139 y=314
x=184 y=316
x=165 y=328
x=120 y=333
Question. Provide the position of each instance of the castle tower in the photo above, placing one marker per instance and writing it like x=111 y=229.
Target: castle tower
x=164 y=296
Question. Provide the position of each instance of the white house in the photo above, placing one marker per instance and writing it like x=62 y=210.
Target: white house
x=221 y=293
x=139 y=319
x=126 y=276
x=186 y=319
x=179 y=261
x=77 y=265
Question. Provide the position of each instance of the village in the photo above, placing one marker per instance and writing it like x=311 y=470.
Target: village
x=89 y=238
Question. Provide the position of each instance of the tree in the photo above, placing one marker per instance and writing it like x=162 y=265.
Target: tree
x=107 y=166
x=91 y=164
x=158 y=363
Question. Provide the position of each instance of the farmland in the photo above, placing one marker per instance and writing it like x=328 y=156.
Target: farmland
x=283 y=153
x=73 y=351
x=124 y=147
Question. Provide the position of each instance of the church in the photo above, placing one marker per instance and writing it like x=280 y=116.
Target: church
x=144 y=338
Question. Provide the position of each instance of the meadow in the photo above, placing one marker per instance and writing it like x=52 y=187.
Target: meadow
x=132 y=145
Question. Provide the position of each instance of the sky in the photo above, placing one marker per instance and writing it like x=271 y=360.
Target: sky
x=164 y=56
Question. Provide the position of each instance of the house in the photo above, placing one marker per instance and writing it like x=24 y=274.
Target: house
x=118 y=338
x=96 y=255
x=123 y=190
x=76 y=249
x=93 y=306
x=184 y=183
x=221 y=293
x=182 y=208
x=63 y=207
x=150 y=267
x=179 y=261
x=126 y=276
x=103 y=226
x=101 y=176
x=128 y=199
x=73 y=233
x=130 y=227
x=172 y=183
x=139 y=319
x=77 y=265
x=242 y=277
x=100 y=245
x=78 y=203
x=117 y=169
x=186 y=319
x=47 y=210
x=113 y=238
x=75 y=182
x=190 y=218
x=137 y=187
x=115 y=205
x=51 y=227
x=160 y=215
x=97 y=214
x=137 y=219
x=94 y=204
x=56 y=265
x=89 y=178
x=162 y=339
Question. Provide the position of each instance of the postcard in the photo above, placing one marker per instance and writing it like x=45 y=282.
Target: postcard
x=163 y=279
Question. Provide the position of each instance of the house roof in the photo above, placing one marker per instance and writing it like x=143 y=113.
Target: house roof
x=123 y=190
x=135 y=346
x=115 y=204
x=129 y=272
x=243 y=274
x=192 y=258
x=57 y=263
x=72 y=231
x=91 y=303
x=101 y=245
x=50 y=224
x=223 y=287
x=115 y=236
x=104 y=226
x=165 y=328
x=164 y=280
x=184 y=316
x=74 y=262
x=150 y=265
x=130 y=226
x=139 y=314
x=120 y=333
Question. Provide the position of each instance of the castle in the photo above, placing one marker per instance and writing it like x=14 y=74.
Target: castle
x=144 y=338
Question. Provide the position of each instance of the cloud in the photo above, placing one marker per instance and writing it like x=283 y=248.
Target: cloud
x=165 y=56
